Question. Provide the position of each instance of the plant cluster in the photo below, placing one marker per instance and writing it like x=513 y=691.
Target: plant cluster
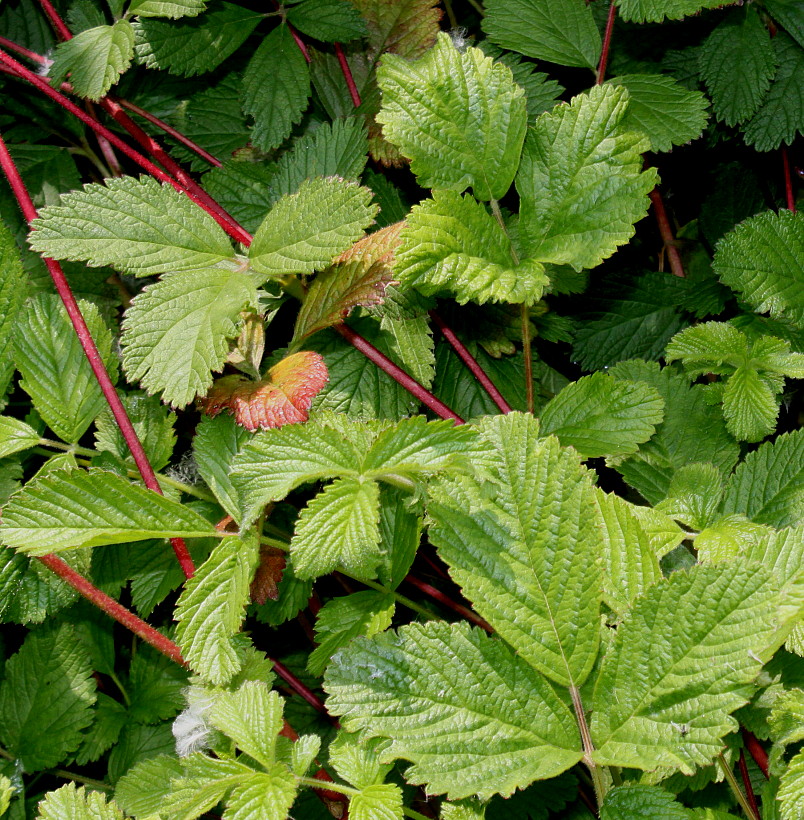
x=376 y=441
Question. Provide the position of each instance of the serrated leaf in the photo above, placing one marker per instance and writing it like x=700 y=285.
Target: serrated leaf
x=359 y=760
x=679 y=665
x=458 y=117
x=498 y=735
x=55 y=371
x=788 y=13
x=327 y=20
x=737 y=64
x=637 y=800
x=749 y=406
x=761 y=259
x=176 y=331
x=694 y=495
x=109 y=718
x=172 y=9
x=138 y=226
x=768 y=486
x=791 y=789
x=561 y=31
x=212 y=607
x=16 y=435
x=450 y=243
x=341 y=619
x=94 y=59
x=197 y=45
x=662 y=108
x=380 y=801
x=581 y=181
x=141 y=790
x=400 y=534
x=46 y=698
x=600 y=416
x=303 y=232
x=73 y=508
x=404 y=27
x=205 y=782
x=266 y=795
x=276 y=85
x=73 y=803
x=283 y=397
x=339 y=529
x=655 y=11
x=541 y=91
x=12 y=298
x=781 y=116
x=527 y=556
x=157 y=687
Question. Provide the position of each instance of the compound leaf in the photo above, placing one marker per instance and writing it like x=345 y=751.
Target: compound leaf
x=69 y=508
x=458 y=116
x=268 y=795
x=581 y=181
x=506 y=730
x=73 y=803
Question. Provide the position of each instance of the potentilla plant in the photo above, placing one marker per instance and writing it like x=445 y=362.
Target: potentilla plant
x=401 y=421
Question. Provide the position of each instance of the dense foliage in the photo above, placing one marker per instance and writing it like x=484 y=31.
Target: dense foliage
x=431 y=443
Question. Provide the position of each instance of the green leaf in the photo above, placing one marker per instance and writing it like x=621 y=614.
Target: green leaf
x=561 y=31
x=493 y=736
x=156 y=687
x=94 y=59
x=601 y=416
x=662 y=108
x=655 y=11
x=176 y=332
x=16 y=435
x=400 y=534
x=173 y=9
x=404 y=27
x=679 y=665
x=12 y=297
x=527 y=557
x=141 y=790
x=205 y=783
x=327 y=20
x=339 y=529
x=341 y=619
x=46 y=698
x=458 y=116
x=581 y=181
x=197 y=45
x=304 y=232
x=276 y=85
x=381 y=801
x=636 y=800
x=768 y=486
x=788 y=13
x=737 y=64
x=212 y=607
x=266 y=795
x=55 y=371
x=74 y=508
x=138 y=226
x=791 y=789
x=749 y=406
x=358 y=760
x=450 y=243
x=781 y=115
x=72 y=803
x=694 y=495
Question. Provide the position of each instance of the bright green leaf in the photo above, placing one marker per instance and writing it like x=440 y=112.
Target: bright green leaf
x=73 y=803
x=749 y=405
x=634 y=800
x=694 y=495
x=16 y=435
x=172 y=9
x=267 y=795
x=655 y=11
x=141 y=790
x=380 y=801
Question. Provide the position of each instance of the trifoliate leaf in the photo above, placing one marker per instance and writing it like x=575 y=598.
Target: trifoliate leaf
x=679 y=665
x=509 y=729
x=55 y=371
x=781 y=115
x=283 y=397
x=762 y=260
x=655 y=11
x=16 y=435
x=73 y=803
x=527 y=556
x=768 y=486
x=662 y=108
x=404 y=27
x=581 y=181
x=94 y=59
x=46 y=698
x=176 y=332
x=276 y=85
x=637 y=800
x=303 y=232
x=339 y=529
x=562 y=32
x=194 y=46
x=341 y=619
x=450 y=243
x=212 y=607
x=268 y=795
x=327 y=20
x=380 y=801
x=73 y=508
x=737 y=64
x=172 y=9
x=138 y=226
x=458 y=116
x=600 y=416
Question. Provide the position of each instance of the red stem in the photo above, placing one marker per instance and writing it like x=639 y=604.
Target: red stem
x=673 y=254
x=23 y=52
x=445 y=600
x=347 y=75
x=117 y=611
x=788 y=180
x=55 y=20
x=466 y=357
x=91 y=352
x=757 y=752
x=604 y=53
x=297 y=686
x=397 y=374
x=749 y=791
x=299 y=42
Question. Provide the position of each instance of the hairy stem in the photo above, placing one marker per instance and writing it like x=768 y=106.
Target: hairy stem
x=788 y=180
x=347 y=75
x=91 y=351
x=604 y=53
x=598 y=781
x=666 y=231
x=735 y=788
x=55 y=20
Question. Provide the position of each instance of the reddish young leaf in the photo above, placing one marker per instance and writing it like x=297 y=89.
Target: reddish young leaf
x=283 y=397
x=268 y=575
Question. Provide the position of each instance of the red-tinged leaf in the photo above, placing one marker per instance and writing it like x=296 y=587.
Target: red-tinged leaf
x=404 y=27
x=283 y=397
x=376 y=247
x=268 y=575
